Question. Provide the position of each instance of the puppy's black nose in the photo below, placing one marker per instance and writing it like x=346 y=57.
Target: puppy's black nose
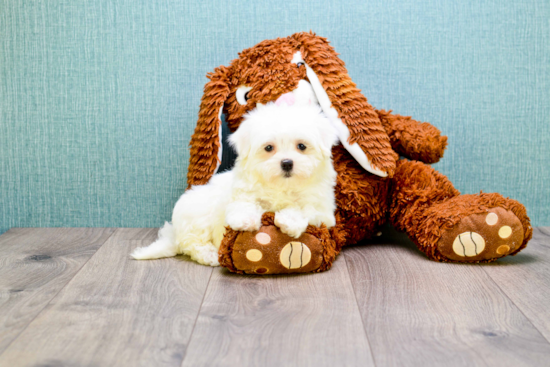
x=286 y=165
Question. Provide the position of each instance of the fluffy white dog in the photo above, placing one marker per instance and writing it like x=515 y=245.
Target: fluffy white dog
x=283 y=166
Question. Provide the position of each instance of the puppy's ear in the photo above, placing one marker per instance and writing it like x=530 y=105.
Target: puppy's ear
x=240 y=140
x=359 y=128
x=206 y=142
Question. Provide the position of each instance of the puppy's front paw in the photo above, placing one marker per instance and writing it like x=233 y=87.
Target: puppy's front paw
x=291 y=221
x=244 y=221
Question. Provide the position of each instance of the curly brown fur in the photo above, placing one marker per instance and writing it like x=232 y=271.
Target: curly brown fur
x=353 y=109
x=205 y=141
x=424 y=203
x=412 y=139
x=361 y=197
x=416 y=187
x=268 y=70
x=444 y=216
x=226 y=250
x=417 y=199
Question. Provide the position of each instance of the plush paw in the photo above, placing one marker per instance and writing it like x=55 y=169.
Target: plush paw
x=269 y=251
x=291 y=222
x=244 y=221
x=485 y=236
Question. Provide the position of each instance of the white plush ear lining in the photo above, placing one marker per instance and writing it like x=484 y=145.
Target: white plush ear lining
x=220 y=138
x=342 y=130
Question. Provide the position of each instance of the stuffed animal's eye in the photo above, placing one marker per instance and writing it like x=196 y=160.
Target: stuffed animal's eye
x=301 y=146
x=301 y=63
x=268 y=148
x=243 y=94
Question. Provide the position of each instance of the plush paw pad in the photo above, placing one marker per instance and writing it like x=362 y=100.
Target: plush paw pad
x=295 y=255
x=482 y=236
x=468 y=244
x=269 y=251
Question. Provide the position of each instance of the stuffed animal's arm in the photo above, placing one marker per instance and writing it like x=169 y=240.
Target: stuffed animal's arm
x=412 y=139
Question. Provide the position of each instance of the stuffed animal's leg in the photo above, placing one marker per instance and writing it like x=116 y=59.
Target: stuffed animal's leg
x=448 y=226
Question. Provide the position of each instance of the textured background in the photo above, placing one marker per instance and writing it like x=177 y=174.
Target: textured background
x=98 y=98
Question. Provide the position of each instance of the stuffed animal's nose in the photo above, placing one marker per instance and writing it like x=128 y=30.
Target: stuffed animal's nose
x=287 y=98
x=286 y=165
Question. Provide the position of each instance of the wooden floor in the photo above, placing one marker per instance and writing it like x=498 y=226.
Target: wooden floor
x=73 y=297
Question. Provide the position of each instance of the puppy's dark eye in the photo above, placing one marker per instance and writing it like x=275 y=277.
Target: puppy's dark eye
x=246 y=96
x=300 y=64
x=268 y=148
x=302 y=147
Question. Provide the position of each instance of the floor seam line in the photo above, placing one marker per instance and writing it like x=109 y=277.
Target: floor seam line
x=197 y=318
x=515 y=304
x=359 y=310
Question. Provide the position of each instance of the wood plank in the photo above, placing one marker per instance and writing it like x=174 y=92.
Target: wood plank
x=525 y=279
x=292 y=320
x=418 y=312
x=117 y=311
x=35 y=264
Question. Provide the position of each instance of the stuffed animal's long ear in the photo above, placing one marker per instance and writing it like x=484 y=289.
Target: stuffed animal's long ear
x=206 y=142
x=359 y=128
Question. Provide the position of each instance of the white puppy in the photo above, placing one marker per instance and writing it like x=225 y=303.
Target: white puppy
x=283 y=166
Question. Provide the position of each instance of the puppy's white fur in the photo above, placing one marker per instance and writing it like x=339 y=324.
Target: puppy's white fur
x=258 y=184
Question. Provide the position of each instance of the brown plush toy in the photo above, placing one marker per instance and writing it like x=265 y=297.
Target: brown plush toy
x=373 y=186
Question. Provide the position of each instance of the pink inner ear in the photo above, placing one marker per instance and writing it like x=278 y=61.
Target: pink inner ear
x=287 y=98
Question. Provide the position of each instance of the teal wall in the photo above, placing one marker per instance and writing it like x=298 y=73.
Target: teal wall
x=98 y=98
